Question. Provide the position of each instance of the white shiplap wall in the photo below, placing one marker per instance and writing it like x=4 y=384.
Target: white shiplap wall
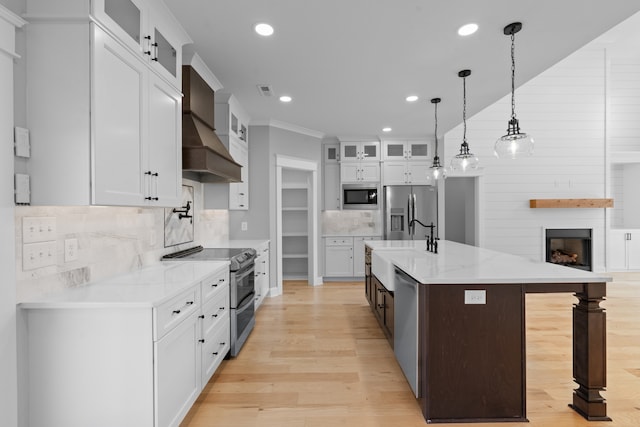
x=564 y=109
x=623 y=92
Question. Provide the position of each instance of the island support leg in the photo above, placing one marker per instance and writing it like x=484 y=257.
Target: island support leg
x=590 y=353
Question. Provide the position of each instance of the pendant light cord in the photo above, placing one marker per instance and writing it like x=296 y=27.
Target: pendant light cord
x=464 y=110
x=436 y=126
x=513 y=75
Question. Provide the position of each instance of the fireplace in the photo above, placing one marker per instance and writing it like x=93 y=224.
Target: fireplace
x=569 y=246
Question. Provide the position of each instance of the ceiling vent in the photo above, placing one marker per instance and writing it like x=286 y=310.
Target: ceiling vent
x=265 y=90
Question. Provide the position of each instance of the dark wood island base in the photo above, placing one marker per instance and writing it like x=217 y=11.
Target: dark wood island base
x=472 y=358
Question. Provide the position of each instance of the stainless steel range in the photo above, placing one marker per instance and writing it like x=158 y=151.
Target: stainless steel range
x=241 y=286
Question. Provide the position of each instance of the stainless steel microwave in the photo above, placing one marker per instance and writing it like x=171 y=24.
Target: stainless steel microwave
x=360 y=196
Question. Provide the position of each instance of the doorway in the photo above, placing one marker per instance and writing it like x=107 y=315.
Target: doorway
x=461 y=211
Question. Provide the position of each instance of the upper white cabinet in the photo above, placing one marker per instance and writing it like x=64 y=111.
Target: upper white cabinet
x=239 y=191
x=232 y=126
x=331 y=153
x=359 y=151
x=105 y=125
x=359 y=172
x=405 y=150
x=406 y=173
x=148 y=28
x=230 y=118
x=331 y=176
x=359 y=161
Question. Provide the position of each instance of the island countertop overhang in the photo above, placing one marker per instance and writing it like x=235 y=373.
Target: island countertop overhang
x=456 y=263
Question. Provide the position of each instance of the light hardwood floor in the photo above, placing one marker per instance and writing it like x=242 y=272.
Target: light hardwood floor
x=317 y=358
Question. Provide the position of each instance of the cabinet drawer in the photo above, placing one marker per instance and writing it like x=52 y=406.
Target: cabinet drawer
x=214 y=284
x=339 y=241
x=214 y=351
x=215 y=312
x=172 y=312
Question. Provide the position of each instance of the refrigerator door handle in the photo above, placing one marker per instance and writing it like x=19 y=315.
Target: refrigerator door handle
x=409 y=218
x=413 y=211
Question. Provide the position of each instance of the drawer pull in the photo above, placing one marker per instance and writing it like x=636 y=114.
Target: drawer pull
x=202 y=340
x=176 y=311
x=201 y=316
x=214 y=285
x=189 y=302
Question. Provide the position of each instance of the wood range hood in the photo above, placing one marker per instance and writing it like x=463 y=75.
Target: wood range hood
x=204 y=156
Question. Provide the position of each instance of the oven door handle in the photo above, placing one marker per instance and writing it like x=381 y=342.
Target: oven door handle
x=245 y=303
x=244 y=272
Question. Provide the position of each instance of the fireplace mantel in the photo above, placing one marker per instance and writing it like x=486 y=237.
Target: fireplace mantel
x=570 y=203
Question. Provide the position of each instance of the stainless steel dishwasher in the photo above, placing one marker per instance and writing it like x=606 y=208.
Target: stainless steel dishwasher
x=405 y=331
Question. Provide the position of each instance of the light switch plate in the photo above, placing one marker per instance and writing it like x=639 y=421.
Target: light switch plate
x=70 y=250
x=475 y=296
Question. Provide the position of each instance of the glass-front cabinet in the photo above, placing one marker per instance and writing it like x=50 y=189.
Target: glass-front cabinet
x=145 y=28
x=360 y=151
x=405 y=150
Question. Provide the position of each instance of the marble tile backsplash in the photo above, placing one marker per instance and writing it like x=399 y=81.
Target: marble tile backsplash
x=111 y=241
x=352 y=222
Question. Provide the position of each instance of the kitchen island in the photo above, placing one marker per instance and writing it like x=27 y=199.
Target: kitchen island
x=459 y=328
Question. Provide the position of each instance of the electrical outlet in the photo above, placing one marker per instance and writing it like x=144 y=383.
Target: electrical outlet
x=475 y=296
x=70 y=250
x=243 y=226
x=37 y=255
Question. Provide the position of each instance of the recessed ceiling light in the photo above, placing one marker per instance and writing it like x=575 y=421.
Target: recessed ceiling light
x=285 y=98
x=412 y=98
x=387 y=129
x=264 y=29
x=468 y=29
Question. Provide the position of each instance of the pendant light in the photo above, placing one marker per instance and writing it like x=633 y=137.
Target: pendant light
x=464 y=161
x=515 y=143
x=437 y=170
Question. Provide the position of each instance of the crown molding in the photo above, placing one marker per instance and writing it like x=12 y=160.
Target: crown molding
x=288 y=126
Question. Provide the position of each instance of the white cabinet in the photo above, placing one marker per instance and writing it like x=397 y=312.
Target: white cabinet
x=359 y=172
x=358 y=253
x=112 y=343
x=405 y=172
x=331 y=183
x=331 y=153
x=261 y=273
x=239 y=191
x=338 y=256
x=624 y=247
x=105 y=124
x=177 y=372
x=360 y=151
x=231 y=125
x=148 y=29
x=230 y=118
x=137 y=129
x=406 y=150
x=344 y=256
x=331 y=176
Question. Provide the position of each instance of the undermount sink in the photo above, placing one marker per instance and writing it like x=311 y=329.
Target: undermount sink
x=383 y=269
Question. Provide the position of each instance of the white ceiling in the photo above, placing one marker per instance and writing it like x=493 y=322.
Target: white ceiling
x=349 y=64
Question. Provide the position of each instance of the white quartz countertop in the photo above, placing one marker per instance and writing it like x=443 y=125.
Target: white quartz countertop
x=147 y=287
x=456 y=263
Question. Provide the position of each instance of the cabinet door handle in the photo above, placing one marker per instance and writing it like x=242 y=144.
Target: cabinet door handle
x=201 y=341
x=155 y=49
x=148 y=50
x=201 y=316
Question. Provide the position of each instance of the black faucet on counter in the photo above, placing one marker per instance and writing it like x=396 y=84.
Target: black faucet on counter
x=432 y=242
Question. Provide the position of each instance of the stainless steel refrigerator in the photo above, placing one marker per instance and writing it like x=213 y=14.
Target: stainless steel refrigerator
x=402 y=203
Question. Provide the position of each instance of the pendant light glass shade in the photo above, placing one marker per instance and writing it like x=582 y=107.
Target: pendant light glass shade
x=465 y=160
x=515 y=143
x=437 y=170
